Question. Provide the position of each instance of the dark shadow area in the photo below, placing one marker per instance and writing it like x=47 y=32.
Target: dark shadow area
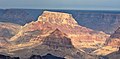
x=8 y=57
x=113 y=55
x=35 y=57
x=103 y=57
x=48 y=56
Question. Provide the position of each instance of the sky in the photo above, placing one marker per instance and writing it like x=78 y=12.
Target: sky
x=62 y=4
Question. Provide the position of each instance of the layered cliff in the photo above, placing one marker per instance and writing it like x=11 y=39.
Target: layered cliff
x=50 y=21
x=112 y=46
x=114 y=39
x=55 y=33
x=113 y=51
x=7 y=30
x=107 y=21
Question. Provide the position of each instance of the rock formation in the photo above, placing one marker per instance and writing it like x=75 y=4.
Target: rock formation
x=114 y=39
x=106 y=21
x=7 y=30
x=55 y=33
x=112 y=46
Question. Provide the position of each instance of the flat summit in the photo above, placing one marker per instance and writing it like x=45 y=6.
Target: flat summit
x=57 y=17
x=55 y=33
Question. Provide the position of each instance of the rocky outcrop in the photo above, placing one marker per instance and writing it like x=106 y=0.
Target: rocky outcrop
x=114 y=39
x=7 y=30
x=112 y=46
x=107 y=21
x=55 y=33
x=57 y=18
x=48 y=22
x=116 y=34
x=58 y=39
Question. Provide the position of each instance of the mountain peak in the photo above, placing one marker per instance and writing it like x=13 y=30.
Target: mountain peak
x=55 y=33
x=57 y=18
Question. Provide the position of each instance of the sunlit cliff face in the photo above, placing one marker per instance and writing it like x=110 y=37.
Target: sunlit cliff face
x=49 y=21
x=56 y=33
x=57 y=18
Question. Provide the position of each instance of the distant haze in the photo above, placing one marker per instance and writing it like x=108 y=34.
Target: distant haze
x=62 y=4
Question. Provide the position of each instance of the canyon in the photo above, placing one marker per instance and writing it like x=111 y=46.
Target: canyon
x=57 y=34
x=99 y=20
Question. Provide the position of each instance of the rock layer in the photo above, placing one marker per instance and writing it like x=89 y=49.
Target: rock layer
x=114 y=39
x=55 y=33
x=7 y=30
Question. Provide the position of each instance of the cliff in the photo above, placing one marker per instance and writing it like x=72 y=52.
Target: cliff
x=55 y=33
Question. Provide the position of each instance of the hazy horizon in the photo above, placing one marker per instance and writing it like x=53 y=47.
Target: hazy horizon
x=61 y=4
